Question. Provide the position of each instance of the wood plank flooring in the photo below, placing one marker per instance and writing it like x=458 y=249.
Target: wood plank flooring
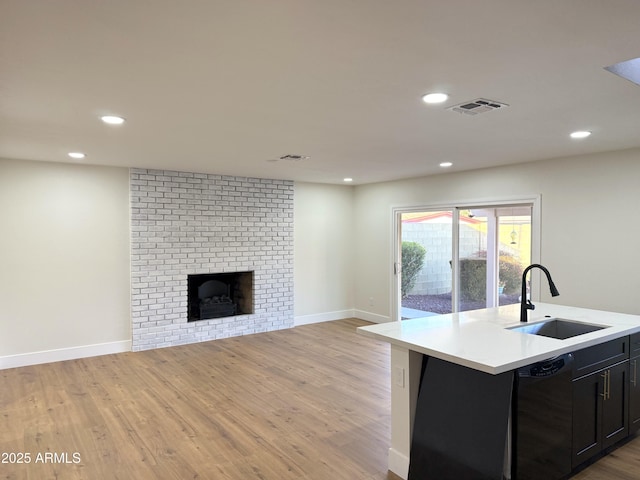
x=309 y=403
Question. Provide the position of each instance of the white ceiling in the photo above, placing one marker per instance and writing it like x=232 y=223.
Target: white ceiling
x=228 y=86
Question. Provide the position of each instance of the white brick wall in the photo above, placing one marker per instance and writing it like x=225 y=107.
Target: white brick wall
x=188 y=223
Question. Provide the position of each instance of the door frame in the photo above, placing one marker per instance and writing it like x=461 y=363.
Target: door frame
x=454 y=207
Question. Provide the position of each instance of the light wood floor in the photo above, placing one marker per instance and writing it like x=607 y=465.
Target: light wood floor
x=310 y=403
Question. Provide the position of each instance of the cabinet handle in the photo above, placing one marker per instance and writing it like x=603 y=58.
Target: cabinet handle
x=634 y=379
x=606 y=387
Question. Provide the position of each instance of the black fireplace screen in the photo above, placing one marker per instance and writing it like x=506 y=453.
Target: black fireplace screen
x=218 y=295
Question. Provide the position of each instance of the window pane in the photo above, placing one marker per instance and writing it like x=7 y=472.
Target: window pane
x=426 y=287
x=473 y=259
x=515 y=255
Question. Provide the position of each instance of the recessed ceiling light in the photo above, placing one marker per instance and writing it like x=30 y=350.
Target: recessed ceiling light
x=77 y=155
x=348 y=179
x=580 y=134
x=435 y=97
x=112 y=119
x=446 y=164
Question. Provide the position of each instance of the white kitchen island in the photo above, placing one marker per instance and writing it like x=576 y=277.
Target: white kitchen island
x=480 y=340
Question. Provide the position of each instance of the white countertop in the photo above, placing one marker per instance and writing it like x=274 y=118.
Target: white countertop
x=480 y=339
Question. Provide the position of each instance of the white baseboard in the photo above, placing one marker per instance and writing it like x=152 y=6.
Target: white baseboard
x=35 y=358
x=322 y=317
x=339 y=315
x=371 y=317
x=398 y=463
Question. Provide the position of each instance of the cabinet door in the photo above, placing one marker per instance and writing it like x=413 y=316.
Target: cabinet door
x=587 y=408
x=615 y=411
x=634 y=395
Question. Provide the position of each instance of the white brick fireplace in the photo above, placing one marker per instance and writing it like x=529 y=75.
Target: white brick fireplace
x=189 y=223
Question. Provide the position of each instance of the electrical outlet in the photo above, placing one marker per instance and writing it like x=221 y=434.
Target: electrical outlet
x=371 y=301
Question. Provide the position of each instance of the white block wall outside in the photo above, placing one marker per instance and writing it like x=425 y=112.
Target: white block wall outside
x=190 y=223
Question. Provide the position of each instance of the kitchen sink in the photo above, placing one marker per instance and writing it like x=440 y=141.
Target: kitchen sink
x=557 y=328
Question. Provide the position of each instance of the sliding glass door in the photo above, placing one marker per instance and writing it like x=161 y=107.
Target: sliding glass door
x=460 y=258
x=494 y=247
x=425 y=262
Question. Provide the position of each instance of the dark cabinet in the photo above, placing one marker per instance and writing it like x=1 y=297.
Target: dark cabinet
x=604 y=404
x=615 y=410
x=634 y=383
x=600 y=398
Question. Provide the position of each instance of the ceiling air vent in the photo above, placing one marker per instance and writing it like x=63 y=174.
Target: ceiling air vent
x=474 y=107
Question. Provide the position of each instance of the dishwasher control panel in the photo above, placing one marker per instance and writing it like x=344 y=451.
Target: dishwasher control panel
x=546 y=367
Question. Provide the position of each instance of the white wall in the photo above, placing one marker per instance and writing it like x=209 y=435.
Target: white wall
x=65 y=228
x=589 y=238
x=64 y=261
x=323 y=252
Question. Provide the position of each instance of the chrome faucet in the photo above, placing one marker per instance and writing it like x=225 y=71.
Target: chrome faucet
x=525 y=303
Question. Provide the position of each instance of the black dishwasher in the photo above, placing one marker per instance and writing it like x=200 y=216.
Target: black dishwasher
x=541 y=420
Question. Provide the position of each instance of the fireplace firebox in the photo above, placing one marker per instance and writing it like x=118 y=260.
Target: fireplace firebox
x=215 y=295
